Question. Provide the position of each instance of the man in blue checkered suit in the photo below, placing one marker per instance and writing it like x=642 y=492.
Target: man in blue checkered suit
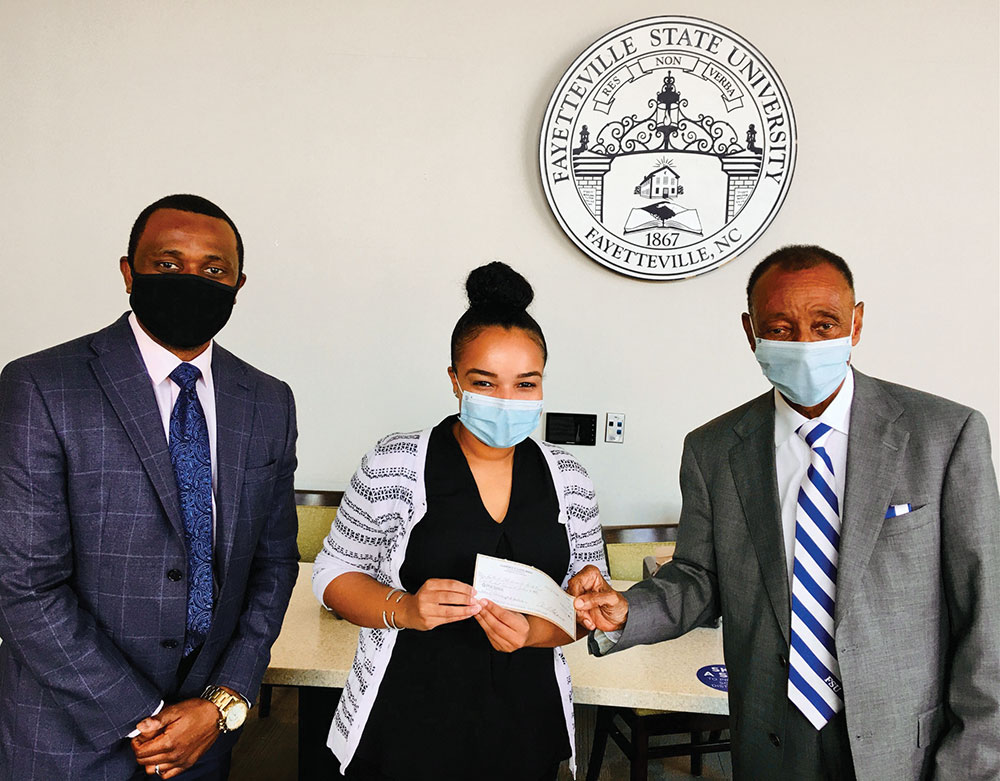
x=104 y=674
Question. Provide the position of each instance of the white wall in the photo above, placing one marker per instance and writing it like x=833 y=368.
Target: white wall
x=373 y=153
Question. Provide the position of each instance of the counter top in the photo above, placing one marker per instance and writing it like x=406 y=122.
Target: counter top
x=316 y=649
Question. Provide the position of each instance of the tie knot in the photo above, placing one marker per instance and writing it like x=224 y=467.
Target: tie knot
x=812 y=431
x=185 y=375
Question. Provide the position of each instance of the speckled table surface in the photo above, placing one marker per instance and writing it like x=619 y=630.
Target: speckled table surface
x=316 y=649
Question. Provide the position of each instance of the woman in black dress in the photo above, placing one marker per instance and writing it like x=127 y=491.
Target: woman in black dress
x=476 y=691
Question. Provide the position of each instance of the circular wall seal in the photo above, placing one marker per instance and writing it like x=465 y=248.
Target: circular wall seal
x=667 y=148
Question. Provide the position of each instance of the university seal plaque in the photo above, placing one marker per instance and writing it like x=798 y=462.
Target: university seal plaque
x=667 y=148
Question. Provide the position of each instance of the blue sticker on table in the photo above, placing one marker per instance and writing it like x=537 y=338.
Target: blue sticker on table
x=716 y=676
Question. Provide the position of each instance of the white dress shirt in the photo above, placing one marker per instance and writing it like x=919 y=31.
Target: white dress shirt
x=159 y=363
x=792 y=455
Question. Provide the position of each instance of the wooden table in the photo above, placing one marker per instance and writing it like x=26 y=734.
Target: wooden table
x=314 y=652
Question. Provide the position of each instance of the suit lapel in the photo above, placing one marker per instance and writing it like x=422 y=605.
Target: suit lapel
x=752 y=464
x=234 y=409
x=122 y=375
x=876 y=449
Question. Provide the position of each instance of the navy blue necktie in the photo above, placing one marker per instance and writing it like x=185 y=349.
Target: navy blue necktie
x=192 y=460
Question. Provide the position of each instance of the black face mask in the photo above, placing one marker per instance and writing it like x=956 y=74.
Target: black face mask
x=181 y=310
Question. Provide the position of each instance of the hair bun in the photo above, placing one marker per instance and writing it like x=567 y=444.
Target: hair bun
x=497 y=285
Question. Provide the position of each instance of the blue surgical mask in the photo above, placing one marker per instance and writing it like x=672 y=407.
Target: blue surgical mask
x=806 y=373
x=498 y=422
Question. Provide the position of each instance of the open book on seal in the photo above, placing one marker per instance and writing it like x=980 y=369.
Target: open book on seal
x=663 y=215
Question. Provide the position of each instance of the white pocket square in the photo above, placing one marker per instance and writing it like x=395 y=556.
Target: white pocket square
x=898 y=509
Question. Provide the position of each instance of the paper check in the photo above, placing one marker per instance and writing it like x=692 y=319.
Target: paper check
x=518 y=587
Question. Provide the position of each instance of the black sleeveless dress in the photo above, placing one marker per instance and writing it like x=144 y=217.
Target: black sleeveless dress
x=449 y=705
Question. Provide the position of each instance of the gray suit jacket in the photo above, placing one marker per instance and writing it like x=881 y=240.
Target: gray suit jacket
x=92 y=611
x=917 y=624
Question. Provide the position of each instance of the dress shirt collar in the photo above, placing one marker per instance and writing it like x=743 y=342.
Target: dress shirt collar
x=160 y=361
x=837 y=415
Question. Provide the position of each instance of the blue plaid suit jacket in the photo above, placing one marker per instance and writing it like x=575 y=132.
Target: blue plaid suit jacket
x=90 y=525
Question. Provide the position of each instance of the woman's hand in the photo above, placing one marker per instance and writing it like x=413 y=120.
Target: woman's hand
x=506 y=630
x=437 y=602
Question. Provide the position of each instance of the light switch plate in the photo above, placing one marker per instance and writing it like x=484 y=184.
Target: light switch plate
x=614 y=431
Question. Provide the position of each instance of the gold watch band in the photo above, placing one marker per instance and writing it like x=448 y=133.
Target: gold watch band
x=224 y=700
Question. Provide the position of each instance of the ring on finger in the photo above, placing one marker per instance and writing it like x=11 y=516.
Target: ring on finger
x=156 y=770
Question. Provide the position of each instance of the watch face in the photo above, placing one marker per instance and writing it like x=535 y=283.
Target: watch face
x=236 y=715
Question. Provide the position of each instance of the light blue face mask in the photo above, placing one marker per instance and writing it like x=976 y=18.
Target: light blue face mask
x=498 y=422
x=806 y=373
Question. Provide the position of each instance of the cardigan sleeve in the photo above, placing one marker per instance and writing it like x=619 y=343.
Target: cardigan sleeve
x=376 y=508
x=583 y=515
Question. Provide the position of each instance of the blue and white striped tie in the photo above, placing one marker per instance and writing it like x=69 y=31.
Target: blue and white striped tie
x=813 y=670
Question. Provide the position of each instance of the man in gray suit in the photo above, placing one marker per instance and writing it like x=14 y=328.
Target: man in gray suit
x=847 y=530
x=147 y=523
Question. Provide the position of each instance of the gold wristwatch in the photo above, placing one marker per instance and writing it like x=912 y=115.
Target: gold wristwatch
x=232 y=707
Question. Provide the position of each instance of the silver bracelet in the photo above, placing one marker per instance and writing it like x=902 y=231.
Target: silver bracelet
x=393 y=591
x=390 y=621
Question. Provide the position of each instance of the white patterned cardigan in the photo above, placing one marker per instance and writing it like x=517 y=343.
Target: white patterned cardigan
x=385 y=500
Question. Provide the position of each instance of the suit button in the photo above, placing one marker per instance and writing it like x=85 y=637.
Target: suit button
x=175 y=575
x=775 y=740
x=169 y=643
x=782 y=661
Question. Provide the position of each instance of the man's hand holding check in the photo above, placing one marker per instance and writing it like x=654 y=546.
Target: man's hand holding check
x=598 y=606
